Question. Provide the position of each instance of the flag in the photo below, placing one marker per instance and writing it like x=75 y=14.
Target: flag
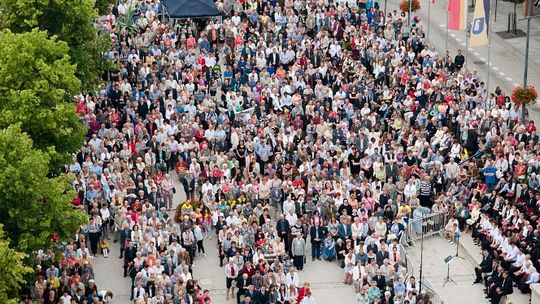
x=457 y=15
x=487 y=9
x=479 y=25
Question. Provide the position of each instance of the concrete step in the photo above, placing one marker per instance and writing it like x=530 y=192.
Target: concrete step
x=469 y=250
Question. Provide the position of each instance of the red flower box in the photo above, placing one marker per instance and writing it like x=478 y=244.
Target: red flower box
x=404 y=6
x=524 y=95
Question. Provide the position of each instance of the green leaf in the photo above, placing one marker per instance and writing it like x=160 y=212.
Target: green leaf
x=36 y=79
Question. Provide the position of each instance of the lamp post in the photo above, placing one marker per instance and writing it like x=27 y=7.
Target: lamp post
x=421 y=253
x=410 y=11
x=429 y=19
x=446 y=32
x=529 y=17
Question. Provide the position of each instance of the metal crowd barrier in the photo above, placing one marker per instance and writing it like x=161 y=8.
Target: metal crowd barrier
x=433 y=295
x=429 y=224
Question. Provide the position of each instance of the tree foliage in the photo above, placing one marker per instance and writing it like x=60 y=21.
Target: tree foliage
x=36 y=80
x=104 y=6
x=72 y=21
x=91 y=63
x=13 y=271
x=32 y=206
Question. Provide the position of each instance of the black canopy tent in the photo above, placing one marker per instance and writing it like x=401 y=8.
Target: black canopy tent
x=181 y=9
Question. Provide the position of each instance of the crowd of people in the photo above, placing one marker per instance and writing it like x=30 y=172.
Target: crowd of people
x=298 y=130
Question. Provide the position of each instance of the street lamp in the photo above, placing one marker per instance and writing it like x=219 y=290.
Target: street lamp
x=529 y=17
x=410 y=11
x=421 y=254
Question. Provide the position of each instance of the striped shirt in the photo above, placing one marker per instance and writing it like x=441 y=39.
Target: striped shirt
x=425 y=188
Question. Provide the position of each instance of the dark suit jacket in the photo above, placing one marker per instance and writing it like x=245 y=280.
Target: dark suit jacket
x=273 y=59
x=315 y=60
x=472 y=142
x=522 y=137
x=282 y=226
x=250 y=294
x=316 y=76
x=153 y=145
x=177 y=75
x=169 y=269
x=487 y=264
x=129 y=254
x=373 y=248
x=344 y=230
x=153 y=197
x=381 y=255
x=240 y=283
x=313 y=233
x=496 y=277
x=79 y=299
x=506 y=286
x=260 y=298
x=381 y=281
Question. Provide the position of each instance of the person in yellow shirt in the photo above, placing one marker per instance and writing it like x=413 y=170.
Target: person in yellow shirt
x=404 y=209
x=186 y=208
x=54 y=281
x=104 y=245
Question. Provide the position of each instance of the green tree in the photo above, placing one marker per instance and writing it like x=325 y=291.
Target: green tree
x=32 y=206
x=13 y=271
x=104 y=6
x=91 y=63
x=72 y=21
x=36 y=82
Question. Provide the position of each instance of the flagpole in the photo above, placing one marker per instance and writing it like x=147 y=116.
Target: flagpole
x=467 y=35
x=446 y=45
x=429 y=19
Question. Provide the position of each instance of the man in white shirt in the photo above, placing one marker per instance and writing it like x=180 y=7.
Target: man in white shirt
x=175 y=246
x=334 y=49
x=138 y=292
x=288 y=205
x=291 y=217
x=412 y=285
x=122 y=9
x=452 y=169
x=65 y=298
x=236 y=19
x=232 y=219
x=510 y=255
x=210 y=60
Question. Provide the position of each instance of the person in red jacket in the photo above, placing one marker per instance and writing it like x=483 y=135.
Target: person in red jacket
x=304 y=290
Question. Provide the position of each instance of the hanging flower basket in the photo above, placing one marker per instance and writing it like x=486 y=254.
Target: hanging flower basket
x=404 y=6
x=524 y=95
